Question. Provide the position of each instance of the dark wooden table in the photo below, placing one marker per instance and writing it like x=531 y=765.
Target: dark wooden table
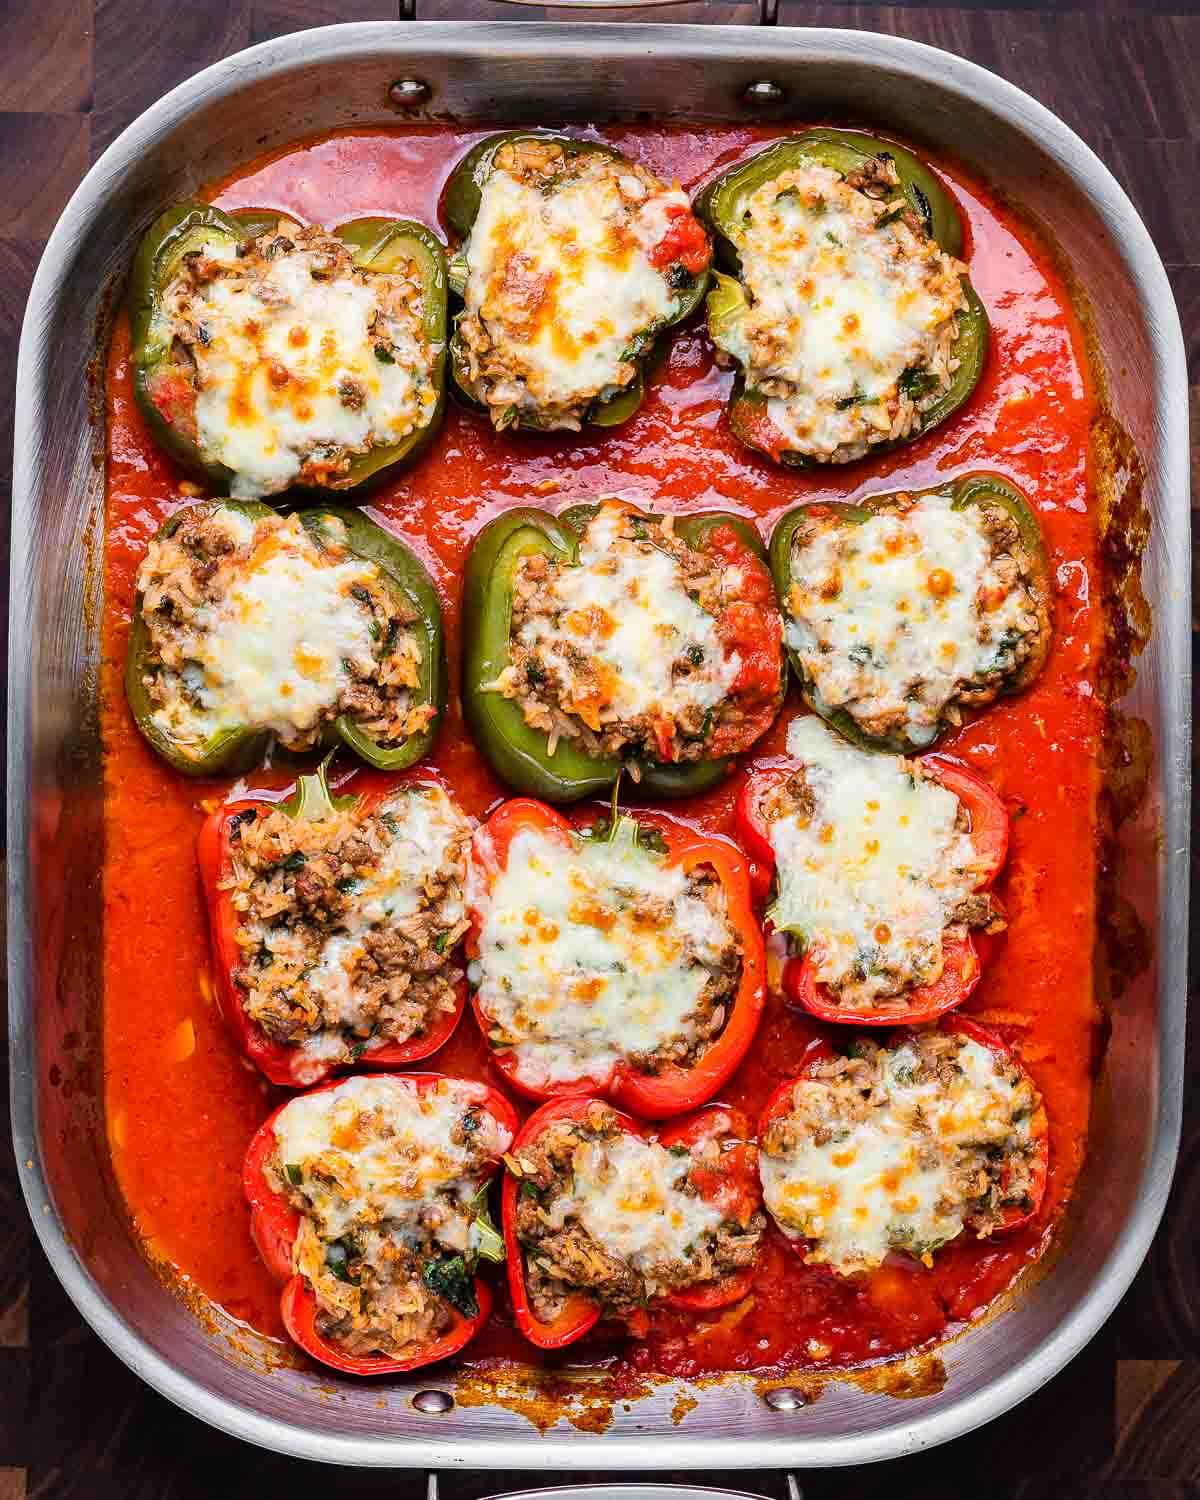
x=1120 y=1423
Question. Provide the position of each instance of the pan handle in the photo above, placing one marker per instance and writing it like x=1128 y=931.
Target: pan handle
x=794 y=1492
x=768 y=10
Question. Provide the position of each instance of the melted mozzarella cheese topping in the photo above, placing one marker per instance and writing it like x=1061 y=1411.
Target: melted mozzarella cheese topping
x=893 y=1180
x=628 y=609
x=574 y=972
x=563 y=280
x=631 y=1196
x=278 y=349
x=869 y=879
x=269 y=652
x=841 y=307
x=426 y=825
x=375 y=1149
x=893 y=615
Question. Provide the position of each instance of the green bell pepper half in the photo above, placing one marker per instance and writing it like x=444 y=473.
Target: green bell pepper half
x=460 y=204
x=722 y=204
x=969 y=489
x=514 y=750
x=376 y=245
x=234 y=750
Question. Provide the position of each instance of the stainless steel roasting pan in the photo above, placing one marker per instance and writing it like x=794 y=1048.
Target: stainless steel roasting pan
x=530 y=70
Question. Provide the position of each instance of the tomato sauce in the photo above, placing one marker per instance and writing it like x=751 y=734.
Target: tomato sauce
x=182 y=1104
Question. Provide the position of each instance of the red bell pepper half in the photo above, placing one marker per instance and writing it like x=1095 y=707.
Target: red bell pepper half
x=1014 y=1216
x=961 y=969
x=734 y=1187
x=751 y=626
x=821 y=1051
x=673 y=1089
x=284 y=1064
x=274 y=1225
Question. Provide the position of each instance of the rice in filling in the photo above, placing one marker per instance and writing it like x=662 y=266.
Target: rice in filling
x=901 y=1148
x=564 y=286
x=911 y=616
x=853 y=310
x=593 y=952
x=876 y=868
x=384 y=1179
x=287 y=361
x=626 y=650
x=257 y=625
x=620 y=1218
x=348 y=923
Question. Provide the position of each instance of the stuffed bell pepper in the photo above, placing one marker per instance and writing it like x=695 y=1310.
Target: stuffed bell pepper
x=573 y=261
x=882 y=868
x=368 y=1201
x=335 y=924
x=313 y=630
x=845 y=305
x=603 y=1219
x=952 y=1112
x=620 y=959
x=606 y=638
x=269 y=356
x=904 y=609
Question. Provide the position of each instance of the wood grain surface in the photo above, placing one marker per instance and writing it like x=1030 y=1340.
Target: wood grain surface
x=1122 y=1422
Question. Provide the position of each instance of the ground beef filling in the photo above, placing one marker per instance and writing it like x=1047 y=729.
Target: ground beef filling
x=901 y=685
x=564 y=671
x=577 y=258
x=343 y=951
x=256 y=327
x=562 y=1257
x=872 y=980
x=222 y=594
x=960 y=1129
x=387 y=1200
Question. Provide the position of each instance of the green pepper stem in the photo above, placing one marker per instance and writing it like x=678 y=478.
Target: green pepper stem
x=623 y=835
x=312 y=799
x=614 y=812
x=485 y=1241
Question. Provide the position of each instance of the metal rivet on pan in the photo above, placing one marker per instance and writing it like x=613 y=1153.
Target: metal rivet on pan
x=763 y=91
x=432 y=1403
x=409 y=92
x=785 y=1398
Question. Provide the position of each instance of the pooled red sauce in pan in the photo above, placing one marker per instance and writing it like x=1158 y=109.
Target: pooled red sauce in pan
x=182 y=1104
